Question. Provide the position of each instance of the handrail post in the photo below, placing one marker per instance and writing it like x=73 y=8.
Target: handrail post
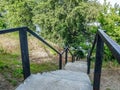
x=73 y=58
x=98 y=63
x=60 y=61
x=24 y=52
x=66 y=55
x=88 y=65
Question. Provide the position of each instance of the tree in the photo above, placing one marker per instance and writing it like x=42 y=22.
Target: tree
x=18 y=13
x=2 y=21
x=65 y=20
x=110 y=21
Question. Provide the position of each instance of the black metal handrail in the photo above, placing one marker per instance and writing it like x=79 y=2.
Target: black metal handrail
x=24 y=48
x=100 y=39
x=46 y=43
x=66 y=50
x=11 y=30
x=71 y=55
x=112 y=45
x=41 y=39
x=89 y=54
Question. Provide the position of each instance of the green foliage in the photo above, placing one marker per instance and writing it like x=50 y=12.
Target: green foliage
x=110 y=21
x=65 y=21
x=62 y=21
x=2 y=25
x=79 y=54
x=17 y=13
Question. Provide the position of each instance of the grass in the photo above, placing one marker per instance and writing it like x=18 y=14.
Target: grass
x=11 y=68
x=10 y=60
x=107 y=64
x=43 y=67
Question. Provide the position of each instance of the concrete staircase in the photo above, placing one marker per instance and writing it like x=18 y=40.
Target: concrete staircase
x=73 y=77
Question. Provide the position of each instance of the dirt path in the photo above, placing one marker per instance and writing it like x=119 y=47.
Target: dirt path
x=110 y=79
x=4 y=84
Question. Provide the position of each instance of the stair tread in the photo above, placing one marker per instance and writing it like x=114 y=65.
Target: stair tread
x=69 y=75
x=57 y=80
x=78 y=66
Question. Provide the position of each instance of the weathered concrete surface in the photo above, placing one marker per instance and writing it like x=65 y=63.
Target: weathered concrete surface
x=79 y=66
x=57 y=80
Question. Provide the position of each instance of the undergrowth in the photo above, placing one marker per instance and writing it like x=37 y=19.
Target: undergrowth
x=107 y=64
x=11 y=68
x=10 y=59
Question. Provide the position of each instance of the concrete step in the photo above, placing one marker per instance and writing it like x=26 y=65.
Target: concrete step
x=78 y=66
x=57 y=80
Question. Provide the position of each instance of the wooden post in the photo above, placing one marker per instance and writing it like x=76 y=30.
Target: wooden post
x=24 y=52
x=98 y=63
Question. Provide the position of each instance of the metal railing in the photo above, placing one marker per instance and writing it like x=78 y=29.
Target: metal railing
x=24 y=48
x=66 y=50
x=100 y=39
